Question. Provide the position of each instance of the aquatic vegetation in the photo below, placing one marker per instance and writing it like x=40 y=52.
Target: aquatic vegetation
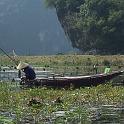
x=73 y=105
x=5 y=120
x=42 y=105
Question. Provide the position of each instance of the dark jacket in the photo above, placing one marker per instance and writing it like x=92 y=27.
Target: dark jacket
x=29 y=73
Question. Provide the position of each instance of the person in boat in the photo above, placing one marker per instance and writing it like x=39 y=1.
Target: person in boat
x=95 y=68
x=28 y=70
x=107 y=70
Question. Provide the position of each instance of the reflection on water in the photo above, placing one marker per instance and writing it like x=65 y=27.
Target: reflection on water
x=9 y=75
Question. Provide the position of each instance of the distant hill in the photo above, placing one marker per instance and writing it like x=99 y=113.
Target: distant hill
x=31 y=29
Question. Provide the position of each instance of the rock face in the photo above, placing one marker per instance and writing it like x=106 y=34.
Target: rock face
x=28 y=27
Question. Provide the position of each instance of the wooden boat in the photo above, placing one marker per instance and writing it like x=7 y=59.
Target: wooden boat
x=77 y=81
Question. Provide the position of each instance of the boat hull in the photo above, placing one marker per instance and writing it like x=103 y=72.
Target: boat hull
x=79 y=81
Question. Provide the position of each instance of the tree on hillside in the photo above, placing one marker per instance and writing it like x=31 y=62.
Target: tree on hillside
x=92 y=24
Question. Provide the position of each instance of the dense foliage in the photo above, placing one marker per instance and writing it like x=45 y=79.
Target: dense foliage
x=92 y=24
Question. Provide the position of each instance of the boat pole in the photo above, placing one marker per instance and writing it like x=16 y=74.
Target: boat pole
x=16 y=63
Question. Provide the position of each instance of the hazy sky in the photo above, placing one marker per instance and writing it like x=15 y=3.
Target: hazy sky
x=30 y=28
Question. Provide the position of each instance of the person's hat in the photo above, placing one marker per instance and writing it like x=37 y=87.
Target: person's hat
x=22 y=65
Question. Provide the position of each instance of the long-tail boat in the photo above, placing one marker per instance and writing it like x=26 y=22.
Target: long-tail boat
x=77 y=81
